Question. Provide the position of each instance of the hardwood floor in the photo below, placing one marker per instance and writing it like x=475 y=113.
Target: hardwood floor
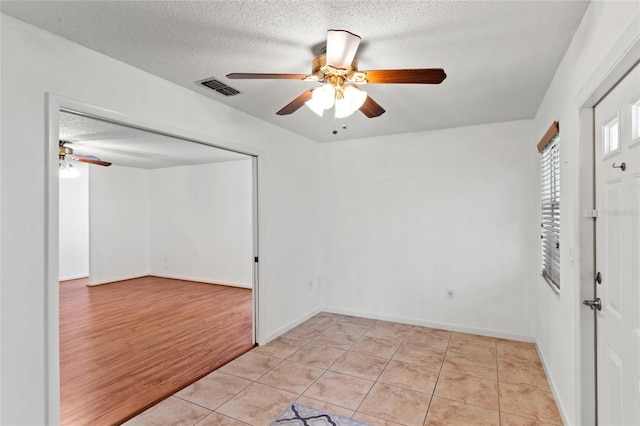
x=125 y=346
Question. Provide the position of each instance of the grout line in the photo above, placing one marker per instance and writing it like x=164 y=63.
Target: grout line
x=433 y=394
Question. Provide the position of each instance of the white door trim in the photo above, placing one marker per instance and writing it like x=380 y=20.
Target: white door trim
x=618 y=62
x=54 y=103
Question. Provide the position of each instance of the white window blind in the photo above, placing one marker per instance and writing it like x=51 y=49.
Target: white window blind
x=550 y=190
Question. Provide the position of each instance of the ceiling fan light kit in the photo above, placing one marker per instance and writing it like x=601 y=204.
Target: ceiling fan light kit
x=337 y=69
x=66 y=169
x=346 y=99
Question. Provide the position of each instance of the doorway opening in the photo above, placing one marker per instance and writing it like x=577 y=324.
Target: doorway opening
x=172 y=189
x=611 y=71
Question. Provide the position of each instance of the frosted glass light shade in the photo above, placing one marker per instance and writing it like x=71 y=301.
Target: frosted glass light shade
x=341 y=48
x=315 y=106
x=342 y=109
x=325 y=96
x=67 y=171
x=351 y=102
x=355 y=97
x=322 y=98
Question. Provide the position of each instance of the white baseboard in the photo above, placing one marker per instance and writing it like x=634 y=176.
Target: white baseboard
x=435 y=324
x=288 y=326
x=175 y=277
x=554 y=388
x=73 y=277
x=202 y=280
x=114 y=279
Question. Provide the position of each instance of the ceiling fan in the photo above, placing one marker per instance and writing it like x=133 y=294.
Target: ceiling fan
x=66 y=170
x=338 y=70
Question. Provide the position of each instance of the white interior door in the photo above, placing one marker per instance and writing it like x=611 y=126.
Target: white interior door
x=617 y=135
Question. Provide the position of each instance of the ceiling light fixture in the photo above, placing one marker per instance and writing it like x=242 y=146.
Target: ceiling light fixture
x=338 y=68
x=67 y=171
x=341 y=48
x=344 y=98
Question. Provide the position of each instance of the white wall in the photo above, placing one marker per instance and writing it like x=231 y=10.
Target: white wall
x=201 y=223
x=408 y=216
x=119 y=211
x=191 y=222
x=559 y=318
x=35 y=63
x=74 y=225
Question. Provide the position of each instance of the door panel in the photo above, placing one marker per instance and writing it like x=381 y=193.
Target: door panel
x=615 y=388
x=612 y=253
x=618 y=253
x=636 y=264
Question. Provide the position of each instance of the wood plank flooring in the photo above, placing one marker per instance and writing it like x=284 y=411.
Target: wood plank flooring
x=125 y=346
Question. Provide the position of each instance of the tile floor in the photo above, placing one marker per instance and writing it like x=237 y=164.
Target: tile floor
x=382 y=373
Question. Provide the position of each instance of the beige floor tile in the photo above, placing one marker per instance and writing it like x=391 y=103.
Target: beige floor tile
x=217 y=419
x=471 y=364
x=250 y=365
x=281 y=347
x=340 y=389
x=409 y=376
x=363 y=322
x=257 y=405
x=354 y=330
x=376 y=346
x=528 y=402
x=468 y=389
x=321 y=405
x=420 y=355
x=333 y=316
x=388 y=330
x=324 y=314
x=479 y=374
x=518 y=344
x=317 y=356
x=453 y=413
x=173 y=411
x=360 y=365
x=322 y=322
x=374 y=421
x=291 y=376
x=336 y=339
x=467 y=336
x=511 y=420
x=429 y=337
x=213 y=390
x=480 y=347
x=518 y=373
x=400 y=405
x=303 y=333
x=514 y=351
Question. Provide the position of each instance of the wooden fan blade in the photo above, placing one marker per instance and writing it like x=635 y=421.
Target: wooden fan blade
x=295 y=104
x=89 y=159
x=371 y=108
x=406 y=76
x=264 y=76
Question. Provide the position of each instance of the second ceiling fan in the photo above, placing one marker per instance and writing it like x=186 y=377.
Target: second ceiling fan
x=338 y=70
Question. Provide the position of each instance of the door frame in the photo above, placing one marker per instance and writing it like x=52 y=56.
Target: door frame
x=624 y=55
x=54 y=104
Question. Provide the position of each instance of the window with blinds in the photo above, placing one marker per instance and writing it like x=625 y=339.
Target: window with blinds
x=550 y=191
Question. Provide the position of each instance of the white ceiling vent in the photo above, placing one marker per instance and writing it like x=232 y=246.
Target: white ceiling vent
x=219 y=87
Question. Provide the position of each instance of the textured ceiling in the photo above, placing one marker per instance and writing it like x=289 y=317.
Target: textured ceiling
x=499 y=56
x=130 y=147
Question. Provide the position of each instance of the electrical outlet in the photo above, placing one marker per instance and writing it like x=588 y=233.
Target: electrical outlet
x=450 y=294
